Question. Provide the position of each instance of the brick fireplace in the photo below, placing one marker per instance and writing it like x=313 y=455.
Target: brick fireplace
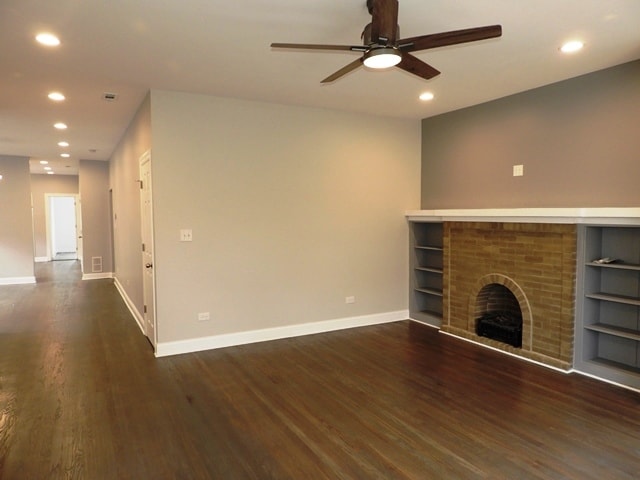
x=536 y=262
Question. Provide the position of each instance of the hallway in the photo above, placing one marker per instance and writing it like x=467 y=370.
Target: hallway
x=68 y=349
x=82 y=397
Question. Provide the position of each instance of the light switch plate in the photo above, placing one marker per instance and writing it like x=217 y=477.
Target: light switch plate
x=518 y=170
x=186 y=235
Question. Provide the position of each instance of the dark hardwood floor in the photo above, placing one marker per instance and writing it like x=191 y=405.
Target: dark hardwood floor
x=82 y=397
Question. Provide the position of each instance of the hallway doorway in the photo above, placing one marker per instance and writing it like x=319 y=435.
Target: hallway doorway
x=63 y=232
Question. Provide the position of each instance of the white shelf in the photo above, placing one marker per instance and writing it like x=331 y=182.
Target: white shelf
x=605 y=216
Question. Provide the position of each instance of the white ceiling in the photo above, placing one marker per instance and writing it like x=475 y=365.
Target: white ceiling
x=223 y=48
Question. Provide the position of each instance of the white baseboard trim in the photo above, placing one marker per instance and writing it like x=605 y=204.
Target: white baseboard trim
x=164 y=349
x=610 y=382
x=530 y=360
x=17 y=280
x=96 y=276
x=424 y=323
x=41 y=259
x=130 y=305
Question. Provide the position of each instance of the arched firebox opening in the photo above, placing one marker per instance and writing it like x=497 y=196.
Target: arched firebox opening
x=498 y=315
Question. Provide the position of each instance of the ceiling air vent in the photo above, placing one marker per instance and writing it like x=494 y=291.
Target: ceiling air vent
x=109 y=97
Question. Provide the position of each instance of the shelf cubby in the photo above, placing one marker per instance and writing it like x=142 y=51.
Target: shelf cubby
x=608 y=307
x=425 y=302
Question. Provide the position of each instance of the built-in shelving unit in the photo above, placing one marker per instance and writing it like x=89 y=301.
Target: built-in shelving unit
x=425 y=302
x=608 y=307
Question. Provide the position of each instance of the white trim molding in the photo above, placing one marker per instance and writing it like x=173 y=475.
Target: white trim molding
x=17 y=280
x=609 y=216
x=42 y=259
x=96 y=276
x=164 y=349
x=530 y=360
x=130 y=305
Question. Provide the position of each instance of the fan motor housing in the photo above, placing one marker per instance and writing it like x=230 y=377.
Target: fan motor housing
x=366 y=35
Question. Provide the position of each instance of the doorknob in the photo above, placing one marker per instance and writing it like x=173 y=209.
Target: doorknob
x=149 y=265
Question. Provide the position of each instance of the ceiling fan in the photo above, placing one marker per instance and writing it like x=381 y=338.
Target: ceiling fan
x=382 y=49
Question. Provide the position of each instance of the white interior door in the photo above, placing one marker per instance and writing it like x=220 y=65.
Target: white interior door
x=148 y=276
x=78 y=231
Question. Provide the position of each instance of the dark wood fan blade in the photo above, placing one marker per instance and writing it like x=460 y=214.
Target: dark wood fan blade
x=313 y=46
x=416 y=66
x=343 y=71
x=384 y=21
x=454 y=37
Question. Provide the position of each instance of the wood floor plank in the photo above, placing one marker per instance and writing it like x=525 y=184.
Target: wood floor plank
x=83 y=397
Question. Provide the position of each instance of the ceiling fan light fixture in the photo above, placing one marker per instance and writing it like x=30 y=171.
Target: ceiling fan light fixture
x=382 y=57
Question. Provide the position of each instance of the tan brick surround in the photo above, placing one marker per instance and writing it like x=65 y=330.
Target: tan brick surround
x=536 y=261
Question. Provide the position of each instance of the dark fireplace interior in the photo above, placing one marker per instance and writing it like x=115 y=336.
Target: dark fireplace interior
x=498 y=315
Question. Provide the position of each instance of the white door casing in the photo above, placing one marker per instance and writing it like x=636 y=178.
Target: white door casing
x=148 y=267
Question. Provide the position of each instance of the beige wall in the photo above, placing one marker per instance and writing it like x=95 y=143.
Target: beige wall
x=16 y=228
x=578 y=141
x=41 y=185
x=96 y=222
x=124 y=173
x=292 y=209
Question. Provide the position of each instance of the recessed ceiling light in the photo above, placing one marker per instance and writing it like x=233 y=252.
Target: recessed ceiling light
x=48 y=39
x=63 y=144
x=49 y=173
x=60 y=126
x=47 y=168
x=0 y=177
x=65 y=155
x=56 y=96
x=43 y=162
x=426 y=96
x=572 y=46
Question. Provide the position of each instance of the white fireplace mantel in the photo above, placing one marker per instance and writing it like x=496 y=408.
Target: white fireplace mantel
x=605 y=216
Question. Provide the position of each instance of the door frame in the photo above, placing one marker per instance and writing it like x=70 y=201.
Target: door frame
x=49 y=226
x=148 y=314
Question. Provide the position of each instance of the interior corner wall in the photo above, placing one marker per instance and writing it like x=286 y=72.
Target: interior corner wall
x=16 y=224
x=41 y=185
x=292 y=210
x=124 y=174
x=577 y=140
x=96 y=223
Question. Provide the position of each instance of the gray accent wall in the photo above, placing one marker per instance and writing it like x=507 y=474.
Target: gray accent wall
x=578 y=140
x=16 y=226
